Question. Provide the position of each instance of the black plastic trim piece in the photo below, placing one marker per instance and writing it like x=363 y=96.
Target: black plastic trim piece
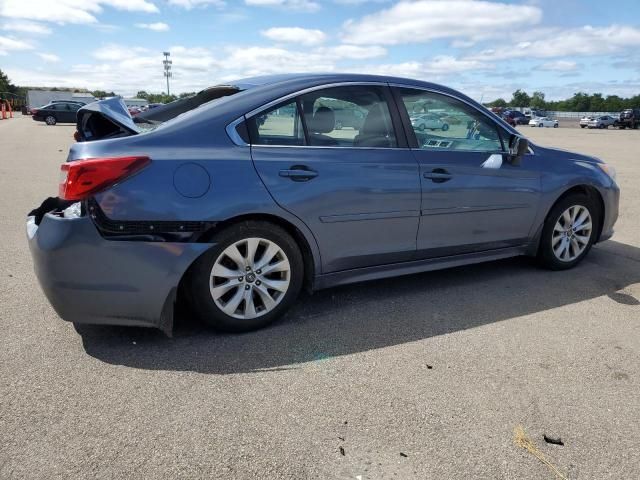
x=149 y=229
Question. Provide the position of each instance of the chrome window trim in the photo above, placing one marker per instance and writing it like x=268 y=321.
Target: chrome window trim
x=237 y=140
x=233 y=133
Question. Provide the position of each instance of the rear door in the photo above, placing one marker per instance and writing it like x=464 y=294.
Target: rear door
x=473 y=198
x=356 y=187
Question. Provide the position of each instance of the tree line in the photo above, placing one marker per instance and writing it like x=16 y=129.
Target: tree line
x=579 y=102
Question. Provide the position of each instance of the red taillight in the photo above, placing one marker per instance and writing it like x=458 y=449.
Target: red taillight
x=82 y=178
x=34 y=111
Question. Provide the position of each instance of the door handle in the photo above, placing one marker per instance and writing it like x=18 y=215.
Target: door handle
x=438 y=175
x=298 y=174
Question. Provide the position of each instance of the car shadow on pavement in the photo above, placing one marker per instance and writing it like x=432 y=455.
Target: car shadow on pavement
x=366 y=316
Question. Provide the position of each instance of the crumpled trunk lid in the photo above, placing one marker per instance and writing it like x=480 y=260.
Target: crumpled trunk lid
x=108 y=118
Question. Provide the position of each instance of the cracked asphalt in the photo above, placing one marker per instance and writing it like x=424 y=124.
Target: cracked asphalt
x=424 y=376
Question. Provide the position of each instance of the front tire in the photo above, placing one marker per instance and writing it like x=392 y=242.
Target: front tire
x=249 y=278
x=445 y=127
x=569 y=232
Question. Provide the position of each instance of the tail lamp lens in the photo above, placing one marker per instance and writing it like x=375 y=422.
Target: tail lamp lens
x=82 y=178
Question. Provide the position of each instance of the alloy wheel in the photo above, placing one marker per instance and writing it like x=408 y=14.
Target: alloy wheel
x=250 y=278
x=571 y=233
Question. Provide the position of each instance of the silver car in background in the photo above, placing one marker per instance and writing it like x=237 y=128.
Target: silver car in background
x=604 y=121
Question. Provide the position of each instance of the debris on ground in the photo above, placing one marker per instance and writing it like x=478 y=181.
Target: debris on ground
x=342 y=451
x=402 y=454
x=553 y=440
x=521 y=440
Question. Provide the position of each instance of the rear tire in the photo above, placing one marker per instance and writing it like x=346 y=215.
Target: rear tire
x=229 y=285
x=565 y=241
x=50 y=120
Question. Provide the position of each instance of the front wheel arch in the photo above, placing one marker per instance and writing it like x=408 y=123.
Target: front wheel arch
x=590 y=191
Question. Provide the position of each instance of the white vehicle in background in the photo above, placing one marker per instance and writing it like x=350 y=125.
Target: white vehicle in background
x=428 y=121
x=605 y=121
x=543 y=122
x=584 y=121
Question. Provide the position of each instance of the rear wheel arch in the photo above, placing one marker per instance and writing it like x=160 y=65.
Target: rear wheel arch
x=309 y=259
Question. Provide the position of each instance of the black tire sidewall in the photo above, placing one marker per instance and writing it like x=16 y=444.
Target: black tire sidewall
x=203 y=304
x=545 y=252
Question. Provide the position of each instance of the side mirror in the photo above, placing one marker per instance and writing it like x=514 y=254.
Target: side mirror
x=518 y=147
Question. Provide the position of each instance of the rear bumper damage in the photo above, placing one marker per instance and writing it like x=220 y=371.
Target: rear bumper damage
x=89 y=279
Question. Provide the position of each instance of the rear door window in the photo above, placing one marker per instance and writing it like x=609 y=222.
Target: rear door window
x=349 y=116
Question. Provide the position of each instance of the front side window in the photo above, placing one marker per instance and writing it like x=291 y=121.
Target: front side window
x=281 y=125
x=349 y=116
x=445 y=123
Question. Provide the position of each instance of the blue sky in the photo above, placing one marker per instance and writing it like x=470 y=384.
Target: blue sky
x=485 y=48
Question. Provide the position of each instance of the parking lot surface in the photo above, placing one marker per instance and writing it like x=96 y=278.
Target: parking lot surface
x=424 y=376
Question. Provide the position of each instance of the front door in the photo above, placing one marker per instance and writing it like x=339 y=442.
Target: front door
x=355 y=186
x=473 y=197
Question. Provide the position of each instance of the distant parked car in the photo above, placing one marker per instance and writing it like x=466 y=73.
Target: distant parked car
x=134 y=110
x=584 y=121
x=543 y=122
x=601 y=122
x=428 y=122
x=56 y=112
x=514 y=117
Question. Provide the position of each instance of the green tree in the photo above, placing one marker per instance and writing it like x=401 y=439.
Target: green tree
x=520 y=99
x=142 y=94
x=5 y=84
x=537 y=101
x=498 y=102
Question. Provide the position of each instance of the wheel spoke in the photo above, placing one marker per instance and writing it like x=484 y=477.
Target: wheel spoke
x=558 y=227
x=252 y=247
x=219 y=290
x=576 y=248
x=281 y=266
x=271 y=251
x=232 y=305
x=582 y=239
x=249 y=306
x=279 y=285
x=266 y=297
x=224 y=272
x=234 y=254
x=556 y=239
x=583 y=216
x=567 y=218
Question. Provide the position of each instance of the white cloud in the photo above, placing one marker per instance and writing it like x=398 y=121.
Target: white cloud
x=156 y=27
x=439 y=67
x=425 y=20
x=69 y=11
x=8 y=44
x=189 y=4
x=26 y=27
x=302 y=36
x=352 y=52
x=559 y=66
x=49 y=57
x=300 y=5
x=556 y=42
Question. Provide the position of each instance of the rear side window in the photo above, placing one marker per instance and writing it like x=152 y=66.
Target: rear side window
x=281 y=125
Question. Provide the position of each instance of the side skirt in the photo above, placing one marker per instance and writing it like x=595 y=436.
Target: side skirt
x=406 y=268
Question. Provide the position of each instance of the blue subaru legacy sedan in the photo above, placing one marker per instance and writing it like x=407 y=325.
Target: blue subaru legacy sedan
x=238 y=204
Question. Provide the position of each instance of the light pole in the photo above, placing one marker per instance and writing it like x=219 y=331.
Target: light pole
x=167 y=68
